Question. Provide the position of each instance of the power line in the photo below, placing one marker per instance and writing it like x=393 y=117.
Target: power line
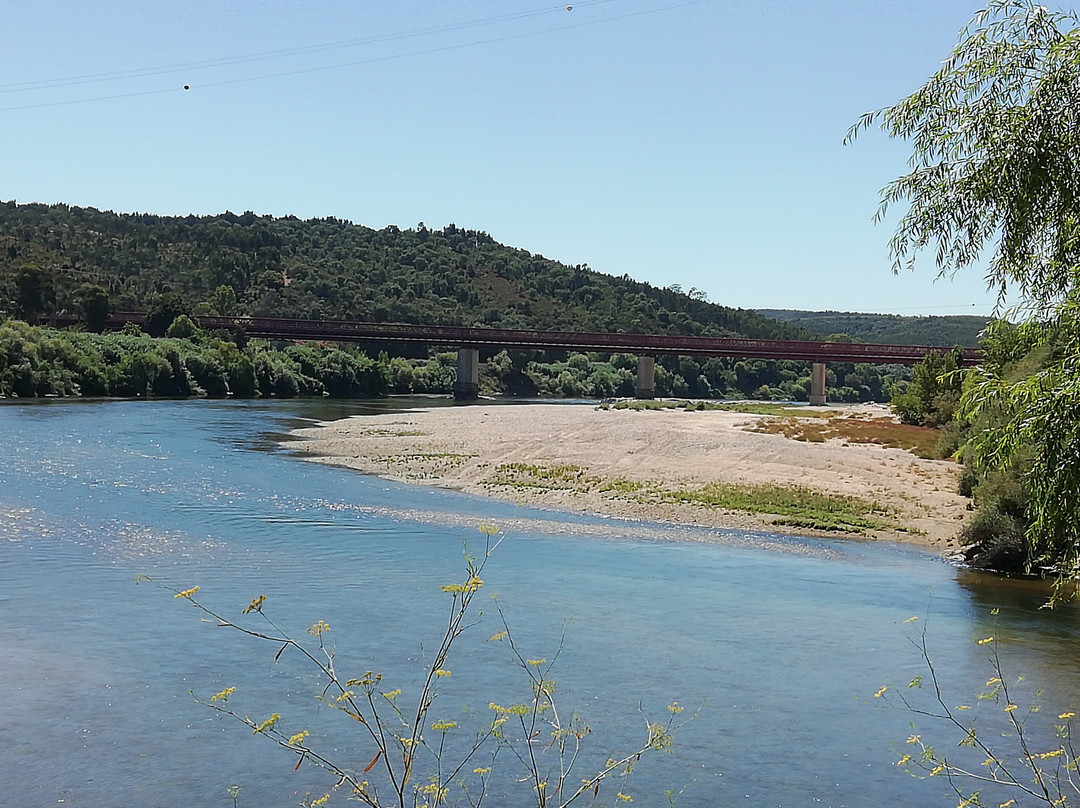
x=93 y=78
x=73 y=81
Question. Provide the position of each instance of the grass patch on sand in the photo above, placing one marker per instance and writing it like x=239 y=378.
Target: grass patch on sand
x=622 y=485
x=531 y=475
x=792 y=506
x=424 y=466
x=748 y=407
x=450 y=457
x=795 y=506
x=920 y=440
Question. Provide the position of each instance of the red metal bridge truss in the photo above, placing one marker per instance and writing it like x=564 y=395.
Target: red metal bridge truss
x=498 y=338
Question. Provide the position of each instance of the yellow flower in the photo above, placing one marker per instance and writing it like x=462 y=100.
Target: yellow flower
x=318 y=629
x=268 y=724
x=470 y=585
x=443 y=726
x=624 y=797
x=393 y=694
x=496 y=637
x=674 y=708
x=904 y=760
x=435 y=790
x=1066 y=716
x=514 y=709
x=913 y=738
x=255 y=605
x=298 y=738
x=881 y=692
x=1009 y=709
x=441 y=672
x=987 y=640
x=325 y=798
x=482 y=770
x=489 y=529
x=224 y=694
x=535 y=662
x=912 y=619
x=187 y=593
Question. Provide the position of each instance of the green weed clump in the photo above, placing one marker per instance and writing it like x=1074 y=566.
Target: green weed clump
x=529 y=475
x=623 y=485
x=795 y=505
x=646 y=404
x=750 y=408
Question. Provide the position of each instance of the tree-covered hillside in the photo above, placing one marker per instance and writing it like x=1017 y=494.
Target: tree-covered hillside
x=892 y=329
x=60 y=259
x=330 y=269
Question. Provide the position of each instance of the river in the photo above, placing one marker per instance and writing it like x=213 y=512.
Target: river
x=781 y=642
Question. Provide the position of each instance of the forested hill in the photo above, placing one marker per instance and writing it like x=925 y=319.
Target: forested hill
x=331 y=269
x=892 y=329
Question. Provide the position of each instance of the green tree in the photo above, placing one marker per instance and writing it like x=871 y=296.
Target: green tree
x=163 y=311
x=933 y=393
x=94 y=306
x=996 y=171
x=996 y=153
x=223 y=301
x=183 y=327
x=35 y=293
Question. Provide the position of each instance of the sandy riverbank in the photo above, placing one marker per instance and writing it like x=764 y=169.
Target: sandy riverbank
x=620 y=462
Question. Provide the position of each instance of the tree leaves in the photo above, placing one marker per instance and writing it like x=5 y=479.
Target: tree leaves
x=995 y=163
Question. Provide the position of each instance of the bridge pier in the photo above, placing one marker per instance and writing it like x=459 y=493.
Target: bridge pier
x=817 y=384
x=467 y=383
x=646 y=377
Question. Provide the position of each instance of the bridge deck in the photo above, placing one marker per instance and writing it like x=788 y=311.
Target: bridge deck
x=639 y=344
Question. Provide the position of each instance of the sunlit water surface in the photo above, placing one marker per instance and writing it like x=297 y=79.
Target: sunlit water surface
x=781 y=642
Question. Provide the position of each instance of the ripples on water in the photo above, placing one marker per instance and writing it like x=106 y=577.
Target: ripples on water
x=785 y=640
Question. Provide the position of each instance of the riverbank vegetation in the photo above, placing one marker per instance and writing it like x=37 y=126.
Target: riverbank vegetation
x=786 y=505
x=995 y=160
x=59 y=259
x=39 y=362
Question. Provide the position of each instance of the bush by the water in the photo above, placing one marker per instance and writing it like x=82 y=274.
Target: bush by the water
x=37 y=362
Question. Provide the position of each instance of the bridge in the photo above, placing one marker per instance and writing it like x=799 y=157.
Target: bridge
x=469 y=341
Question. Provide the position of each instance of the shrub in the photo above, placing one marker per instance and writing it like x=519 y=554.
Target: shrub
x=528 y=745
x=994 y=540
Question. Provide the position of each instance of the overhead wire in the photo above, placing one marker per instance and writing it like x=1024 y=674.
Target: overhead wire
x=270 y=55
x=225 y=61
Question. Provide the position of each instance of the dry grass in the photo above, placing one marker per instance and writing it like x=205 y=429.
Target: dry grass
x=920 y=440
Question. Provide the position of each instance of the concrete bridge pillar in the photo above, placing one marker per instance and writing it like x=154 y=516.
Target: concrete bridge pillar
x=817 y=384
x=467 y=383
x=646 y=377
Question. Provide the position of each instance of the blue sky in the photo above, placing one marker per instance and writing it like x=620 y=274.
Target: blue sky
x=697 y=143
